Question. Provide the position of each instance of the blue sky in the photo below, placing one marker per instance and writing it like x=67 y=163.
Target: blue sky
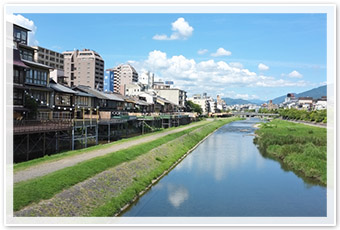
x=249 y=56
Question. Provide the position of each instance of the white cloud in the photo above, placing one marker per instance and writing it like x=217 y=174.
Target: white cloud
x=26 y=23
x=236 y=65
x=295 y=74
x=181 y=31
x=208 y=76
x=263 y=67
x=221 y=52
x=202 y=51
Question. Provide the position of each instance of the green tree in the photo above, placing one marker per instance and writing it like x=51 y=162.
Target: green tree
x=32 y=106
x=192 y=107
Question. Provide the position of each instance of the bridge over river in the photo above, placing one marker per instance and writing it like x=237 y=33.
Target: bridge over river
x=254 y=114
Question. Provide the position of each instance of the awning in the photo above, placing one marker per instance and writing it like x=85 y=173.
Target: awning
x=130 y=101
x=60 y=88
x=160 y=101
x=17 y=60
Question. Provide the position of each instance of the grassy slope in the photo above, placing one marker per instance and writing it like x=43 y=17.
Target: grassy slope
x=47 y=186
x=302 y=148
x=27 y=164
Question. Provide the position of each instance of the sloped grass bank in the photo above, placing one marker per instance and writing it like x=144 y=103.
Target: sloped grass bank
x=45 y=187
x=301 y=148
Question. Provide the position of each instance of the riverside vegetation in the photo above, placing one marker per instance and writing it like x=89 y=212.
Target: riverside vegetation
x=106 y=202
x=301 y=148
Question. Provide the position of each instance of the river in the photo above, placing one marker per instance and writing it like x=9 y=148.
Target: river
x=225 y=176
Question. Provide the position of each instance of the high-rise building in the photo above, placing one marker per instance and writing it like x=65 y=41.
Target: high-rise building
x=108 y=80
x=85 y=67
x=49 y=58
x=123 y=75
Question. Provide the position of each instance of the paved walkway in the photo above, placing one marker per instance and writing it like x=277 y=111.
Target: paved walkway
x=49 y=167
x=308 y=123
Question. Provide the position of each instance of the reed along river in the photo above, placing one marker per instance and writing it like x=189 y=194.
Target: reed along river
x=226 y=175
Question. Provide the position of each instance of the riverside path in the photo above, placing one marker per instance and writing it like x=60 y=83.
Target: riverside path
x=49 y=167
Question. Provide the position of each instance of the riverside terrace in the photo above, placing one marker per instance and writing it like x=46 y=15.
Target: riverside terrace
x=80 y=117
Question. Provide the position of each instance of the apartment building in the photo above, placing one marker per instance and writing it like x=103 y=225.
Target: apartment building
x=203 y=102
x=84 y=67
x=49 y=57
x=174 y=95
x=123 y=75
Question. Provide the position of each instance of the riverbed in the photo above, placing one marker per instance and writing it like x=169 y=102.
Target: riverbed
x=226 y=175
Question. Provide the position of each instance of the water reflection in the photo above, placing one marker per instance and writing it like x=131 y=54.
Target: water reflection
x=177 y=194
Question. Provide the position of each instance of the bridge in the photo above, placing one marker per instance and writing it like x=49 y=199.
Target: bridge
x=254 y=114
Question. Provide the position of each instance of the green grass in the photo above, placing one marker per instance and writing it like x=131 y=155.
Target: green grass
x=302 y=148
x=45 y=187
x=175 y=152
x=27 y=164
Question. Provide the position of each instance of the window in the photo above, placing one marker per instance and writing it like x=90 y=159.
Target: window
x=20 y=35
x=26 y=54
x=40 y=96
x=18 y=76
x=62 y=99
x=82 y=100
x=36 y=77
x=18 y=96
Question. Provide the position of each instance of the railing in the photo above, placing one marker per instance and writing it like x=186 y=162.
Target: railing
x=29 y=126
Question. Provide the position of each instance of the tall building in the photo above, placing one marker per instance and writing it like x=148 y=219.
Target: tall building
x=123 y=75
x=108 y=80
x=49 y=57
x=85 y=67
x=147 y=79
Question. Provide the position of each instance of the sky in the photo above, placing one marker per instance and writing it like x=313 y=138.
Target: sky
x=248 y=56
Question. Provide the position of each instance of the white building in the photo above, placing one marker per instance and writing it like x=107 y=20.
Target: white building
x=147 y=79
x=134 y=89
x=201 y=101
x=176 y=96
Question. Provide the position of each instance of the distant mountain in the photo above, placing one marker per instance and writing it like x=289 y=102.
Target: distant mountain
x=239 y=101
x=314 y=93
x=257 y=101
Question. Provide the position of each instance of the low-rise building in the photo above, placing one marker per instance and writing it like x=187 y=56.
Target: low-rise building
x=202 y=102
x=134 y=88
x=176 y=96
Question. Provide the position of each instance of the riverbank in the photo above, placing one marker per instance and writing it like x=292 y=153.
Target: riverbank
x=301 y=148
x=108 y=189
x=42 y=166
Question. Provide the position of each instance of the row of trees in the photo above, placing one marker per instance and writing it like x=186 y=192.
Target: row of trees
x=317 y=115
x=296 y=114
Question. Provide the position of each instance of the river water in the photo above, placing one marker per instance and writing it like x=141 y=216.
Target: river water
x=225 y=176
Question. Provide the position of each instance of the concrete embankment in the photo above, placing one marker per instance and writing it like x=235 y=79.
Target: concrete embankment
x=110 y=191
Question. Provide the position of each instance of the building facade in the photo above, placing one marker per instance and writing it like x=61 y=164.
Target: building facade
x=176 y=96
x=147 y=79
x=85 y=67
x=123 y=75
x=109 y=81
x=31 y=91
x=49 y=58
